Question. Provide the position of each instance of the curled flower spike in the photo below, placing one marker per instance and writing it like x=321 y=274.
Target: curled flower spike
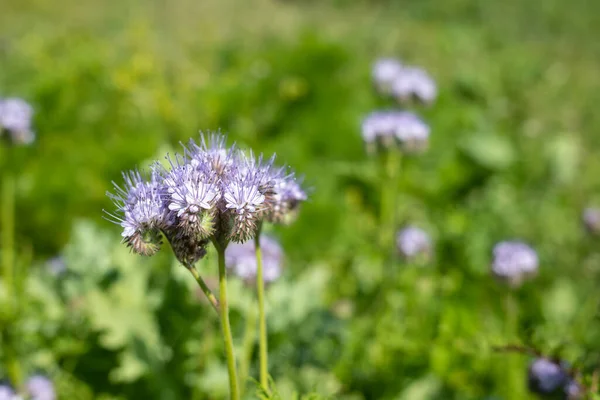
x=243 y=198
x=283 y=195
x=192 y=195
x=513 y=262
x=16 y=119
x=413 y=83
x=143 y=212
x=389 y=129
x=385 y=72
x=40 y=388
x=240 y=259
x=412 y=242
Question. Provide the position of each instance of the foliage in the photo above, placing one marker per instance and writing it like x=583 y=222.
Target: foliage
x=512 y=155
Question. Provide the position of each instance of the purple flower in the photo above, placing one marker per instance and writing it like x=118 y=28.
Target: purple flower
x=546 y=376
x=16 y=118
x=414 y=83
x=385 y=72
x=40 y=388
x=6 y=393
x=386 y=129
x=141 y=212
x=514 y=261
x=591 y=219
x=240 y=259
x=210 y=193
x=412 y=242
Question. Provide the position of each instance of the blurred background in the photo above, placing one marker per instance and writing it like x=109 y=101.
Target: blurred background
x=513 y=155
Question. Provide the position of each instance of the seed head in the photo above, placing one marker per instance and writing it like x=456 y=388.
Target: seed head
x=40 y=388
x=16 y=119
x=412 y=242
x=513 y=262
x=385 y=72
x=240 y=259
x=546 y=376
x=413 y=83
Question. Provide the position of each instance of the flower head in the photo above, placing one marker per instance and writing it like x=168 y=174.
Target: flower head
x=414 y=83
x=6 y=393
x=403 y=129
x=210 y=193
x=412 y=242
x=16 y=119
x=385 y=72
x=141 y=212
x=591 y=219
x=513 y=262
x=240 y=259
x=546 y=376
x=40 y=388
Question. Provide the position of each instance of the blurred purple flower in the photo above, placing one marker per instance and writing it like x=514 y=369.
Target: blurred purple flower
x=240 y=259
x=385 y=72
x=16 y=118
x=514 y=261
x=412 y=242
x=414 y=83
x=386 y=129
x=546 y=376
x=40 y=388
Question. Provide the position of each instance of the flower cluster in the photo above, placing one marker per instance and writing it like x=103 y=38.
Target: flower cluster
x=37 y=387
x=404 y=83
x=513 y=262
x=413 y=242
x=549 y=377
x=387 y=129
x=240 y=259
x=16 y=121
x=210 y=193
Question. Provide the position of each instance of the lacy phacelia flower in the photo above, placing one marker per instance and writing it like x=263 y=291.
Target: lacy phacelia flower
x=385 y=72
x=143 y=211
x=591 y=219
x=210 y=192
x=513 y=262
x=40 y=388
x=240 y=259
x=546 y=376
x=412 y=242
x=386 y=129
x=283 y=196
x=16 y=119
x=414 y=83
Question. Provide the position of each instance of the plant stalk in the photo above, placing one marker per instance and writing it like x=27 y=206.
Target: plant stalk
x=260 y=290
x=209 y=294
x=390 y=166
x=225 y=326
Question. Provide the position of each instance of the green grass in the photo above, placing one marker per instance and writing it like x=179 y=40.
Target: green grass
x=513 y=155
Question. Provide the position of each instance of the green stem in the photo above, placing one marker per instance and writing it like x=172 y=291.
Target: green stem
x=390 y=165
x=260 y=290
x=224 y=314
x=8 y=227
x=247 y=346
x=8 y=275
x=209 y=294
